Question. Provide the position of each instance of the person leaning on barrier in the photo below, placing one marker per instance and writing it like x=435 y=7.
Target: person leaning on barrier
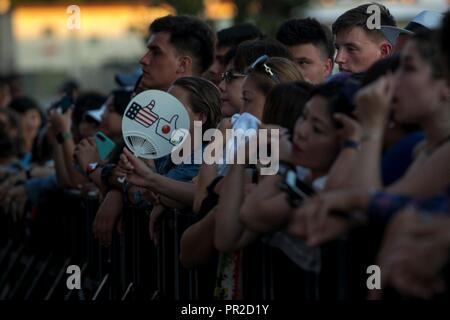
x=414 y=255
x=178 y=46
x=110 y=123
x=261 y=77
x=206 y=196
x=316 y=146
x=422 y=97
x=167 y=184
x=201 y=98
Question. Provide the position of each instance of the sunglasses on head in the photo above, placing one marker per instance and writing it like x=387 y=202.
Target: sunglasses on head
x=230 y=75
x=261 y=61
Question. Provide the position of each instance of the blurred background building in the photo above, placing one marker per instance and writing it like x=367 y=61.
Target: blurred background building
x=36 y=43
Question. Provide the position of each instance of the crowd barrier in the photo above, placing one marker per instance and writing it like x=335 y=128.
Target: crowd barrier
x=36 y=253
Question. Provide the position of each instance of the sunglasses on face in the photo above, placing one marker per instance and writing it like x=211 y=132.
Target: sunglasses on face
x=261 y=61
x=230 y=75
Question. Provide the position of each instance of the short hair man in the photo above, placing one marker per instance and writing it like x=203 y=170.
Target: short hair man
x=358 y=47
x=227 y=39
x=311 y=45
x=178 y=46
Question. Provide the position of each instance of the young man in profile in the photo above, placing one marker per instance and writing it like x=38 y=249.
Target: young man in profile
x=311 y=45
x=178 y=46
x=357 y=46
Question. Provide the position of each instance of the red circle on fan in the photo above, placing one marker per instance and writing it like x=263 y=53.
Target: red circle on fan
x=165 y=129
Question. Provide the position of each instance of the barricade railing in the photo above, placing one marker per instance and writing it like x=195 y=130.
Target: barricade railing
x=134 y=269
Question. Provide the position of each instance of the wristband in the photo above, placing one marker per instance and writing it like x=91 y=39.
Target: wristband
x=371 y=136
x=351 y=144
x=61 y=137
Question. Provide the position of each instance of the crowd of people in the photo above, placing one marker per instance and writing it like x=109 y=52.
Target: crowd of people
x=368 y=145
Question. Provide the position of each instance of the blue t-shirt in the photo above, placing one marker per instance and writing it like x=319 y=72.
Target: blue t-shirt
x=398 y=158
x=182 y=172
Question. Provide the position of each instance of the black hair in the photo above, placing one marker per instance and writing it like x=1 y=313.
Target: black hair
x=229 y=56
x=121 y=99
x=444 y=33
x=23 y=104
x=428 y=47
x=7 y=147
x=357 y=17
x=233 y=36
x=307 y=31
x=189 y=35
x=380 y=68
x=339 y=95
x=3 y=81
x=69 y=87
x=13 y=121
x=85 y=102
x=248 y=51
x=42 y=150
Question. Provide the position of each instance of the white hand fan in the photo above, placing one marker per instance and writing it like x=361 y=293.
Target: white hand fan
x=154 y=124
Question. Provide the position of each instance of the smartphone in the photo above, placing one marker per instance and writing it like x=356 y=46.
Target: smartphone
x=64 y=104
x=296 y=189
x=104 y=145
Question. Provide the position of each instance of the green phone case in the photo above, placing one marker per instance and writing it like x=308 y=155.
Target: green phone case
x=104 y=145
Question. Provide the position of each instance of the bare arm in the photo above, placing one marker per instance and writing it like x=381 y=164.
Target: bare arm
x=372 y=110
x=206 y=175
x=230 y=233
x=183 y=192
x=342 y=169
x=265 y=209
x=197 y=242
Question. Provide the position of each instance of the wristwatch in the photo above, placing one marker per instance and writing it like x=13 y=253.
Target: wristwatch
x=91 y=167
x=61 y=137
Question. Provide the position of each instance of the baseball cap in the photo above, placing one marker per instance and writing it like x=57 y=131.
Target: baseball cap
x=96 y=114
x=426 y=19
x=128 y=80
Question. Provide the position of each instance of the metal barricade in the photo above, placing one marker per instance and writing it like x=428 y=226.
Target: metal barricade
x=134 y=269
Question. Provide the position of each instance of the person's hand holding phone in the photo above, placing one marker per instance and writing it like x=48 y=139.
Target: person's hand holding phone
x=61 y=122
x=86 y=153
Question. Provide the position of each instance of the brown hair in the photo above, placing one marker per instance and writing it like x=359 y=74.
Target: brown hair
x=285 y=70
x=204 y=97
x=249 y=51
x=357 y=17
x=285 y=103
